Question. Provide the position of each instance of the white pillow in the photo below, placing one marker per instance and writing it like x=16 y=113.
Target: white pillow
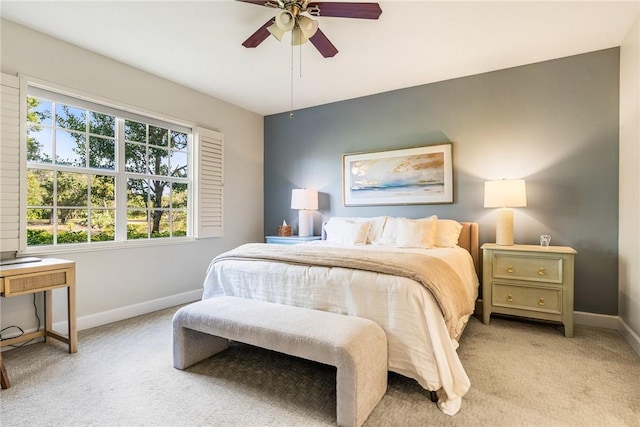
x=388 y=232
x=377 y=225
x=448 y=233
x=410 y=233
x=347 y=231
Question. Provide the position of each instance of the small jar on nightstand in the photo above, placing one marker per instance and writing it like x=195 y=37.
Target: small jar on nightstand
x=528 y=281
x=290 y=240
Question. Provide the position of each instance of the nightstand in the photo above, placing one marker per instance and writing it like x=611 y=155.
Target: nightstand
x=290 y=240
x=528 y=281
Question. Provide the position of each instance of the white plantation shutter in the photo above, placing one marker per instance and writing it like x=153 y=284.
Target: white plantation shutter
x=9 y=163
x=208 y=183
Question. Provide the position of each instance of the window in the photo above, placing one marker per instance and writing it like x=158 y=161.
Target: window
x=96 y=173
x=157 y=181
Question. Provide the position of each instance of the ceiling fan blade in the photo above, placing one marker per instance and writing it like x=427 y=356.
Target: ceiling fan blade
x=323 y=44
x=259 y=36
x=345 y=10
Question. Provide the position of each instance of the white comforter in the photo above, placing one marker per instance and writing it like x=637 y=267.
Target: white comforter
x=419 y=342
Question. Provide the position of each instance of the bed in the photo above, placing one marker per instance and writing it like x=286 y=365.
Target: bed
x=420 y=290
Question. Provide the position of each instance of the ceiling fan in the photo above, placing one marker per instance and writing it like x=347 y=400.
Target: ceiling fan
x=293 y=17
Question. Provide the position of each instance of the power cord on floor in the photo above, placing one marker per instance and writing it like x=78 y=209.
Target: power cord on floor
x=35 y=309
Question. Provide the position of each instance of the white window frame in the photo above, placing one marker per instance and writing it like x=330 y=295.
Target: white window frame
x=197 y=212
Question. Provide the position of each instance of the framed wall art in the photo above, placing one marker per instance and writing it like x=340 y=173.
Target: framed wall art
x=419 y=175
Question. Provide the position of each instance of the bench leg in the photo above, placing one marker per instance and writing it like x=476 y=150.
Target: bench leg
x=359 y=389
x=191 y=346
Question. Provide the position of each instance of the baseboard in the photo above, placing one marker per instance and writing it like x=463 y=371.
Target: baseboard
x=595 y=320
x=629 y=336
x=110 y=316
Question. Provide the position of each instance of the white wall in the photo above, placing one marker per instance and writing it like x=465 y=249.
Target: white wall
x=629 y=214
x=115 y=284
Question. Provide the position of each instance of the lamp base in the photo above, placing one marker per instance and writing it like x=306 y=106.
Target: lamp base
x=504 y=227
x=305 y=223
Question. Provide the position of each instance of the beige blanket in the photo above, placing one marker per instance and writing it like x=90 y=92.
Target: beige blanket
x=433 y=273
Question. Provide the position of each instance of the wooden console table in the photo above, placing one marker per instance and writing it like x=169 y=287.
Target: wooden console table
x=41 y=276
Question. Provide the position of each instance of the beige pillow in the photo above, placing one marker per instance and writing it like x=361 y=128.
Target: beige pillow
x=410 y=233
x=347 y=231
x=377 y=225
x=448 y=233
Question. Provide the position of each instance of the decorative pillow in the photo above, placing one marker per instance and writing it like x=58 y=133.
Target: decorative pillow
x=377 y=225
x=347 y=231
x=410 y=233
x=448 y=233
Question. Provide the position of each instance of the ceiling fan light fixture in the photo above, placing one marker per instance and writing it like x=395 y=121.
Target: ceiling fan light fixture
x=285 y=20
x=307 y=25
x=298 y=37
x=275 y=31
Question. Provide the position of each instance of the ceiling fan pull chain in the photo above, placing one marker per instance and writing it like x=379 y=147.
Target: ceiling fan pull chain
x=291 y=109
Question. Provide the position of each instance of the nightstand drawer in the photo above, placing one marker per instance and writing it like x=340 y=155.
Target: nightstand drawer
x=538 y=268
x=527 y=298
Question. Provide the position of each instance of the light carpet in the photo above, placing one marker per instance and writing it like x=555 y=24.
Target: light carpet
x=522 y=374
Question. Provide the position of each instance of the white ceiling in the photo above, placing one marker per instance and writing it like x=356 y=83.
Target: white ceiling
x=198 y=43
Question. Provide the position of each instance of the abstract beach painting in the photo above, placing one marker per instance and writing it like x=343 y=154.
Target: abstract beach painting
x=419 y=175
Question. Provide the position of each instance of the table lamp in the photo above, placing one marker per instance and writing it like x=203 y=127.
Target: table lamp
x=505 y=194
x=305 y=201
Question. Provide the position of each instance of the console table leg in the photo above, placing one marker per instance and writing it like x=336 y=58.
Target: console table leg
x=71 y=316
x=48 y=314
x=4 y=375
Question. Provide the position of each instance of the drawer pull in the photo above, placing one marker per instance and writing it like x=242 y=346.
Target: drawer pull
x=541 y=272
x=509 y=298
x=541 y=302
x=510 y=269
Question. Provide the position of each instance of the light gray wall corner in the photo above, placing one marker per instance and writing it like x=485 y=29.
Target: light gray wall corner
x=629 y=242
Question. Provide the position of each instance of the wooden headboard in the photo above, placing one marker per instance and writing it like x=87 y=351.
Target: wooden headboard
x=469 y=240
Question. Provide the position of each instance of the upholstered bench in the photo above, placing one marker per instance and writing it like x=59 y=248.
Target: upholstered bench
x=357 y=347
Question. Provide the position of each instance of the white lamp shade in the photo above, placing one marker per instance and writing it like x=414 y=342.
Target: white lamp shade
x=304 y=199
x=505 y=193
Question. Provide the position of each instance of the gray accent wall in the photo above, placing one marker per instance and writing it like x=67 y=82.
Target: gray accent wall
x=554 y=124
